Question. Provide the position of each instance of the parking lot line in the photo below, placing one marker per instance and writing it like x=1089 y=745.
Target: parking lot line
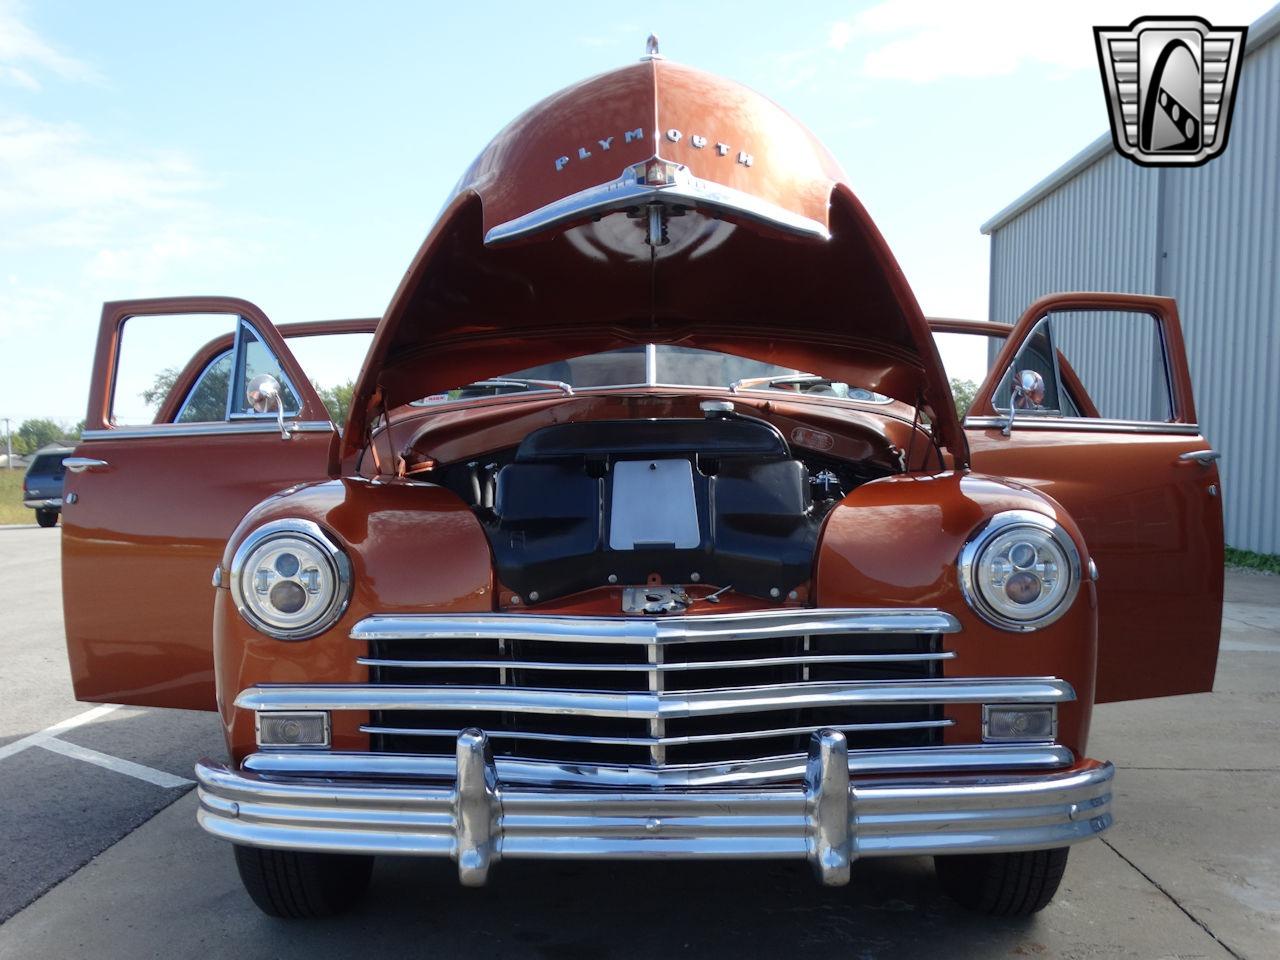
x=80 y=719
x=48 y=739
x=127 y=767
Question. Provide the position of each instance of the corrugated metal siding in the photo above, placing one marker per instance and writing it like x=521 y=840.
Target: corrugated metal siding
x=1207 y=236
x=1099 y=344
x=1101 y=226
x=1220 y=236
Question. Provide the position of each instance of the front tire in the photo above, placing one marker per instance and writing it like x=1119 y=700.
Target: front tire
x=47 y=518
x=1003 y=884
x=286 y=883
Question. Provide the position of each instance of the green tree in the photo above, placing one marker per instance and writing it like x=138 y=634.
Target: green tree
x=963 y=391
x=34 y=434
x=154 y=395
x=207 y=403
x=337 y=399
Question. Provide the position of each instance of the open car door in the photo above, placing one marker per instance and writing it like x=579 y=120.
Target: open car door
x=148 y=508
x=1103 y=420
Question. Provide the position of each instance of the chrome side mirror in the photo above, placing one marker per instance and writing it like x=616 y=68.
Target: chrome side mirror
x=263 y=390
x=1026 y=392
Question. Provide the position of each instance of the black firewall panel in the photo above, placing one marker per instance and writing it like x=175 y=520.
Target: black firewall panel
x=756 y=529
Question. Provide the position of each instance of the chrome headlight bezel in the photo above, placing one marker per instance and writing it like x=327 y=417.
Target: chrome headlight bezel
x=335 y=563
x=1038 y=526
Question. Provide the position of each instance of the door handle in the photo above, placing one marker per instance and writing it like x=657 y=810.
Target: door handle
x=82 y=464
x=1203 y=457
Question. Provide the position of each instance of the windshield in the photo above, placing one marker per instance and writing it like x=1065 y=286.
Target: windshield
x=655 y=365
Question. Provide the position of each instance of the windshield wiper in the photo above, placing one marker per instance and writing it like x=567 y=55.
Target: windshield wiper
x=751 y=383
x=524 y=384
x=839 y=389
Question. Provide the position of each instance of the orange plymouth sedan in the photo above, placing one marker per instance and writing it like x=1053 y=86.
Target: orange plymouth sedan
x=653 y=532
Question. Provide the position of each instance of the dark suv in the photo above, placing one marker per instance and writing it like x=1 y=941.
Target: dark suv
x=42 y=486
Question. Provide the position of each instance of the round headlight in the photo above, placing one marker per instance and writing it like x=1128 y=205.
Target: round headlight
x=289 y=580
x=1020 y=571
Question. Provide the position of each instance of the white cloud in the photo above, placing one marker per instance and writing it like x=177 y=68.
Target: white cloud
x=24 y=53
x=61 y=188
x=88 y=218
x=928 y=40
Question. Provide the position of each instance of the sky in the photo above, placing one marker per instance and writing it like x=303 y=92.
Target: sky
x=296 y=154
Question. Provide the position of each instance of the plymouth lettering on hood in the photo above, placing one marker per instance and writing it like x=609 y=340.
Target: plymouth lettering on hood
x=673 y=135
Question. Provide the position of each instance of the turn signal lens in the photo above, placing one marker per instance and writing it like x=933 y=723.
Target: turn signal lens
x=295 y=729
x=289 y=580
x=1020 y=571
x=1013 y=723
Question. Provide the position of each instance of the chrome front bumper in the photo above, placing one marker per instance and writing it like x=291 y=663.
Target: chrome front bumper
x=43 y=503
x=829 y=819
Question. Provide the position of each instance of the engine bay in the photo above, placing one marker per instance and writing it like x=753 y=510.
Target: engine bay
x=722 y=501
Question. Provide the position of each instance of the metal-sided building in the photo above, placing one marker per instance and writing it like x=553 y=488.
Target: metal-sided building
x=1208 y=236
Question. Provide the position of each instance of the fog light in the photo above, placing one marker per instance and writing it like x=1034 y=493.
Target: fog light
x=294 y=729
x=1018 y=723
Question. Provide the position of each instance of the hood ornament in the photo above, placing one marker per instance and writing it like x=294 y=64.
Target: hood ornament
x=651 y=48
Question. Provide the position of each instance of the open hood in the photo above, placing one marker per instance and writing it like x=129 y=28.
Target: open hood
x=655 y=203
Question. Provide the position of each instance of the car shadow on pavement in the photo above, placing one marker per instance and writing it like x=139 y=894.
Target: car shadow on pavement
x=589 y=911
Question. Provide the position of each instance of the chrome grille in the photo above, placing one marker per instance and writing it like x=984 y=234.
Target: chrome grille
x=657 y=691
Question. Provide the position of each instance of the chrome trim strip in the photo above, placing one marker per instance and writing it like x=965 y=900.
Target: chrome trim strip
x=652 y=630
x=625 y=191
x=910 y=760
x=663 y=705
x=658 y=667
x=1084 y=424
x=665 y=741
x=155 y=430
x=828 y=818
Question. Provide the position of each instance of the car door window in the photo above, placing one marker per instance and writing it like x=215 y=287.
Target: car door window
x=1104 y=365
x=160 y=355
x=154 y=352
x=1118 y=358
x=207 y=400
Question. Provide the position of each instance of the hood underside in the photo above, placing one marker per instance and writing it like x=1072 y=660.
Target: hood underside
x=659 y=204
